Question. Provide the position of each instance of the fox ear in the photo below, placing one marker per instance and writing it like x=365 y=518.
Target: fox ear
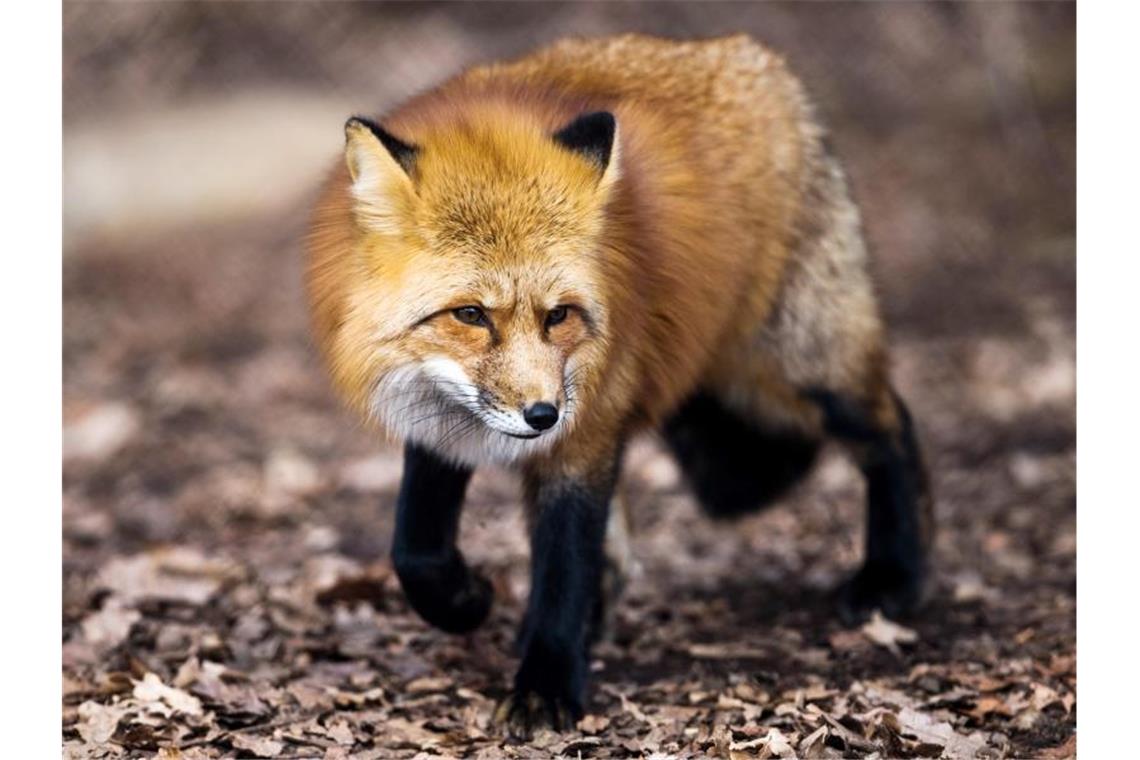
x=593 y=136
x=380 y=165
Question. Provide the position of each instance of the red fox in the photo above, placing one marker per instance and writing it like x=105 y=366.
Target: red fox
x=540 y=259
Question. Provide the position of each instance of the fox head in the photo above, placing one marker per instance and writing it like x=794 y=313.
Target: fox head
x=476 y=316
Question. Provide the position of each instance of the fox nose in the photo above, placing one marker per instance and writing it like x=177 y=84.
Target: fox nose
x=541 y=416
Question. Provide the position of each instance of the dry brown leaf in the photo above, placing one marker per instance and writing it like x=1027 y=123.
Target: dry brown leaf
x=726 y=652
x=380 y=472
x=888 y=634
x=957 y=696
x=340 y=733
x=986 y=706
x=400 y=733
x=108 y=627
x=97 y=722
x=1062 y=665
x=428 y=685
x=776 y=744
x=628 y=706
x=1043 y=696
x=983 y=682
x=593 y=724
x=969 y=586
x=813 y=744
x=815 y=693
x=181 y=574
x=154 y=694
x=287 y=475
x=750 y=693
x=847 y=736
x=259 y=746
x=100 y=432
x=847 y=641
x=928 y=730
x=355 y=700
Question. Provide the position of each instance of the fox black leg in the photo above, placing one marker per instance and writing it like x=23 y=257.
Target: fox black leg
x=567 y=564
x=435 y=578
x=735 y=465
x=899 y=521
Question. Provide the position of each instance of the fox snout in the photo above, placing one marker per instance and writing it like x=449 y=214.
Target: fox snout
x=527 y=418
x=541 y=416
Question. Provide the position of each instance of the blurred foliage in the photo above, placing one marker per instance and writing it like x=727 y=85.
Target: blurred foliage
x=957 y=120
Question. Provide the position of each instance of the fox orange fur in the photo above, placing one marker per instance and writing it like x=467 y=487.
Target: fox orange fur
x=539 y=259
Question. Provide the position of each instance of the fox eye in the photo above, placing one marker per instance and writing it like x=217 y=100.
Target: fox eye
x=556 y=316
x=470 y=315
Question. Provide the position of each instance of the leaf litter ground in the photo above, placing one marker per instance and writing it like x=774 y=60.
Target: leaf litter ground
x=227 y=593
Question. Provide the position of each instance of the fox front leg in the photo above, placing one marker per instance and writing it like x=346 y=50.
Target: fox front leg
x=567 y=564
x=435 y=578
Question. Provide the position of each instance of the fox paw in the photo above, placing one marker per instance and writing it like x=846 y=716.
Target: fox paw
x=521 y=713
x=896 y=592
x=447 y=594
x=468 y=607
x=464 y=609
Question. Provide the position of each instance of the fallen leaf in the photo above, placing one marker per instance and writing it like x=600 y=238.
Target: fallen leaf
x=404 y=734
x=593 y=724
x=850 y=739
x=1043 y=696
x=726 y=652
x=108 y=627
x=181 y=574
x=372 y=474
x=847 y=641
x=286 y=477
x=986 y=706
x=888 y=634
x=777 y=745
x=930 y=731
x=97 y=722
x=969 y=586
x=812 y=745
x=152 y=691
x=259 y=746
x=101 y=432
x=428 y=685
x=339 y=732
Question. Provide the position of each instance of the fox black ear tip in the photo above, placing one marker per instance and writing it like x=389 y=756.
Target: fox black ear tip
x=601 y=120
x=356 y=121
x=591 y=135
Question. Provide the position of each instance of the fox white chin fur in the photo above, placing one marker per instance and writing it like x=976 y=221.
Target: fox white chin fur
x=434 y=403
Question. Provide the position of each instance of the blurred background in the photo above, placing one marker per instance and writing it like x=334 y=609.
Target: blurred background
x=197 y=414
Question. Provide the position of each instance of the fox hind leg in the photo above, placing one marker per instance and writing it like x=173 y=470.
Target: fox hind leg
x=735 y=464
x=882 y=439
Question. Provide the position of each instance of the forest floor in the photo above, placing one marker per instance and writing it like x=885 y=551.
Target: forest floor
x=227 y=591
x=226 y=523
